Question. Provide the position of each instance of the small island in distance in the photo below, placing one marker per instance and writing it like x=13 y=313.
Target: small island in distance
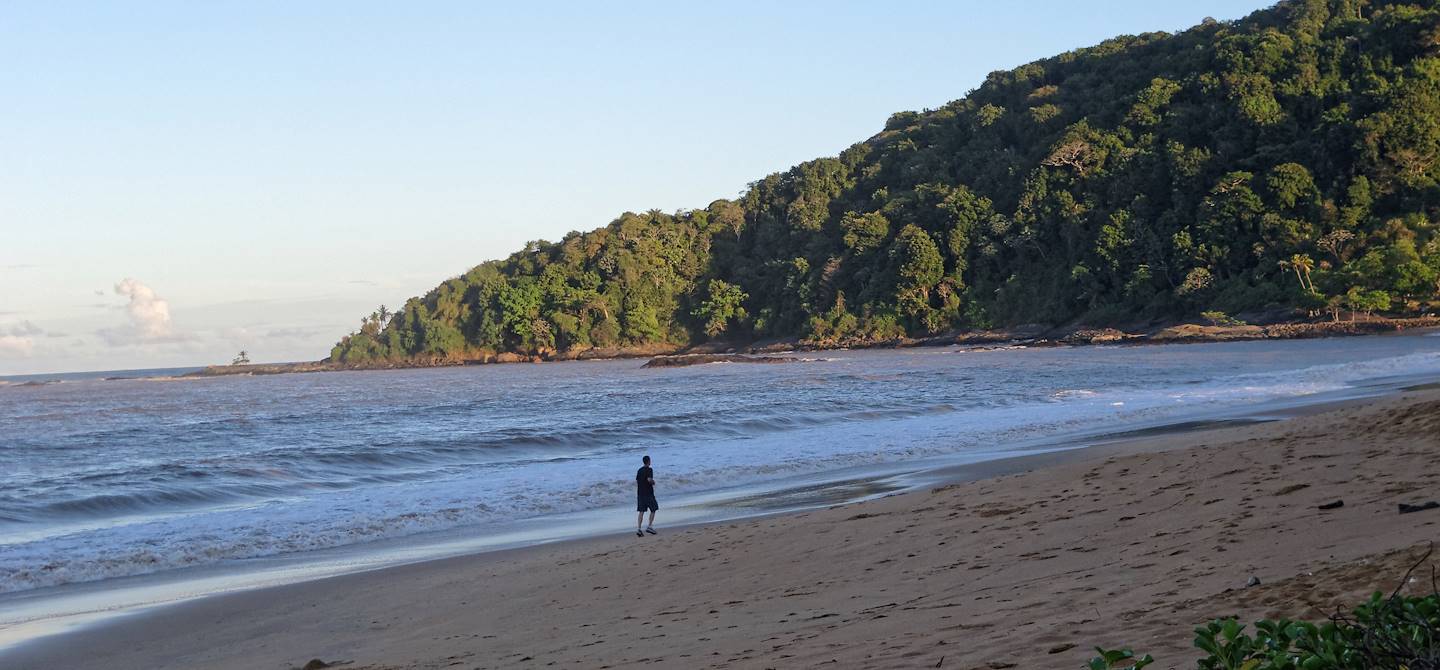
x=1283 y=168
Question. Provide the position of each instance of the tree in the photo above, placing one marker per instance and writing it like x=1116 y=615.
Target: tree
x=1293 y=188
x=243 y=358
x=1367 y=301
x=1075 y=154
x=723 y=306
x=863 y=232
x=1197 y=280
x=1301 y=264
x=833 y=325
x=1334 y=242
x=918 y=267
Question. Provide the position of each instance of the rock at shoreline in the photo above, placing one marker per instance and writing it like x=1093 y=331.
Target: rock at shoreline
x=1289 y=331
x=35 y=383
x=1096 y=336
x=1190 y=332
x=703 y=359
x=261 y=369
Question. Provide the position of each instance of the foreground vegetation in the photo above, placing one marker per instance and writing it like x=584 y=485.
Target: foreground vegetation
x=1385 y=633
x=1287 y=160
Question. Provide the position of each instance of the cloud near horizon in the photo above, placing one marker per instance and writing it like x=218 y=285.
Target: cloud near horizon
x=19 y=339
x=149 y=317
x=16 y=345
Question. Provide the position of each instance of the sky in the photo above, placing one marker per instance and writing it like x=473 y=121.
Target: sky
x=180 y=181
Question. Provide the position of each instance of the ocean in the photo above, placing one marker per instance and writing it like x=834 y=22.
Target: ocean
x=106 y=479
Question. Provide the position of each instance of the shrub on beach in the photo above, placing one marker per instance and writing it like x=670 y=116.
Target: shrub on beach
x=1218 y=318
x=1394 y=633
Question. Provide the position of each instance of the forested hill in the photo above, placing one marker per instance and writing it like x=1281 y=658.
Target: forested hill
x=1289 y=159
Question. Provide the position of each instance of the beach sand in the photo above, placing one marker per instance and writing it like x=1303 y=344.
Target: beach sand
x=1128 y=544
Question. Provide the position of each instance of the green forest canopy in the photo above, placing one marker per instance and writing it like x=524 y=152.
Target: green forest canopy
x=1288 y=159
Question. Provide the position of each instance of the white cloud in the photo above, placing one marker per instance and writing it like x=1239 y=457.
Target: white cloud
x=149 y=317
x=16 y=345
x=18 y=339
x=149 y=312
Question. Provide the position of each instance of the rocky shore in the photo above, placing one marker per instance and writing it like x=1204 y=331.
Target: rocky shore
x=1033 y=335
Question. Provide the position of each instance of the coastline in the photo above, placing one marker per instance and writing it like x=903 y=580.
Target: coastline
x=1109 y=532
x=1024 y=336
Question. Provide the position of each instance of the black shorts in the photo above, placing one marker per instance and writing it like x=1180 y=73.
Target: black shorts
x=646 y=501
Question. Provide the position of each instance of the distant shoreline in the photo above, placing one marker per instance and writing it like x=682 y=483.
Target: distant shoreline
x=1023 y=336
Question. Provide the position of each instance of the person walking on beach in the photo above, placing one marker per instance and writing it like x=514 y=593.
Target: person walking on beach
x=645 y=498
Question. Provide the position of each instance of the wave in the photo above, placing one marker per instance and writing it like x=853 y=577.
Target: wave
x=385 y=510
x=157 y=491
x=1335 y=376
x=300 y=469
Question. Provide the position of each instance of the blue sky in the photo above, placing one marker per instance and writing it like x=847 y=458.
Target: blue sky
x=268 y=172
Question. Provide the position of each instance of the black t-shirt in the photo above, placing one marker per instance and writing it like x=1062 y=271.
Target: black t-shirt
x=642 y=481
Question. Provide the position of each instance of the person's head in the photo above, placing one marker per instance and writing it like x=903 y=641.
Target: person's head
x=646 y=460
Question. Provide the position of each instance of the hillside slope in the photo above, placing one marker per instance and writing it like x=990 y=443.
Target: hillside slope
x=1289 y=159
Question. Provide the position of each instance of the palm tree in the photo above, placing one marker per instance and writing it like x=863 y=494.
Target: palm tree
x=384 y=315
x=1301 y=264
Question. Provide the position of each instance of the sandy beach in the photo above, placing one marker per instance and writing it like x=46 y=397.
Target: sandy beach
x=1126 y=544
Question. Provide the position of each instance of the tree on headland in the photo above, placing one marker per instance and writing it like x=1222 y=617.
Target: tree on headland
x=1301 y=264
x=243 y=358
x=1150 y=177
x=723 y=306
x=1334 y=242
x=1369 y=302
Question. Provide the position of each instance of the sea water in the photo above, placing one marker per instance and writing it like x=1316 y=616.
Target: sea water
x=107 y=478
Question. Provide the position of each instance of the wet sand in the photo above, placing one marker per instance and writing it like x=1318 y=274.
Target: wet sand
x=1126 y=544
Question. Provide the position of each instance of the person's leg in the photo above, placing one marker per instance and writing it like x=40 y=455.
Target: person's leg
x=652 y=519
x=639 y=519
